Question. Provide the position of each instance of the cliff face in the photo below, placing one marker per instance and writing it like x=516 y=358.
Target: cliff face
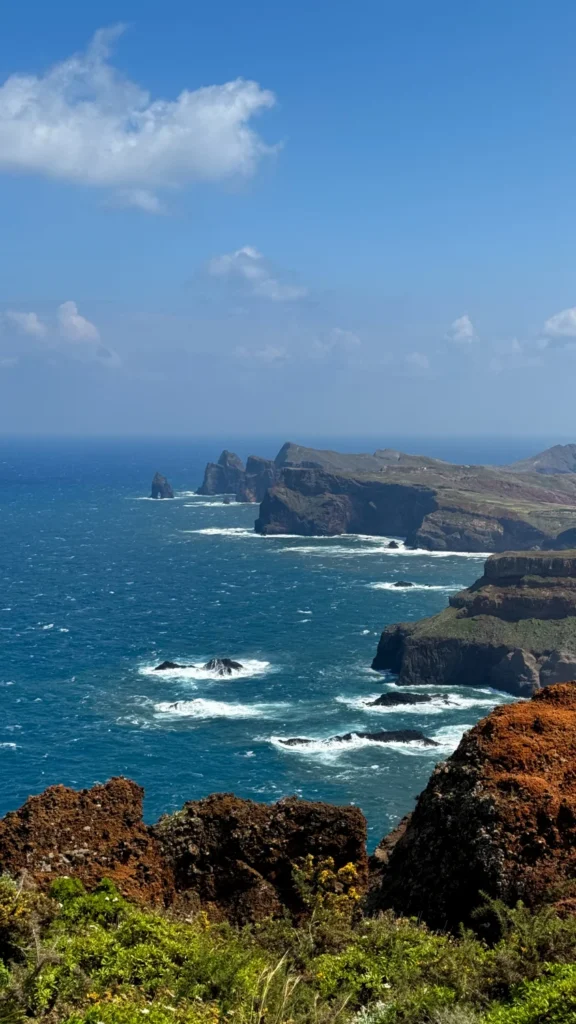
x=259 y=476
x=232 y=857
x=499 y=817
x=224 y=476
x=514 y=629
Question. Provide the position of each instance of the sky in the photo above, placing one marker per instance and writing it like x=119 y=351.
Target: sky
x=288 y=218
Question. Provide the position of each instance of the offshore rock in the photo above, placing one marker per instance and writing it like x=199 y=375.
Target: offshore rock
x=223 y=477
x=237 y=858
x=160 y=487
x=514 y=629
x=90 y=834
x=499 y=817
x=223 y=666
x=167 y=665
x=392 y=700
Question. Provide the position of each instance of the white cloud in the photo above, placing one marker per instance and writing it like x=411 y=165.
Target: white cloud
x=271 y=354
x=142 y=199
x=336 y=341
x=27 y=323
x=248 y=266
x=461 y=330
x=561 y=325
x=73 y=326
x=82 y=121
x=418 y=361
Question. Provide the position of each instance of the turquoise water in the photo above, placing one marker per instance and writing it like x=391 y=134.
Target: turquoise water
x=99 y=584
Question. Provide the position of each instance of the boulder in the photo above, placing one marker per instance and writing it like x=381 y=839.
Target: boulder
x=223 y=666
x=499 y=817
x=89 y=834
x=237 y=858
x=160 y=487
x=391 y=700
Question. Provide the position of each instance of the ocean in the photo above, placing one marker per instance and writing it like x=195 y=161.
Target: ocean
x=100 y=584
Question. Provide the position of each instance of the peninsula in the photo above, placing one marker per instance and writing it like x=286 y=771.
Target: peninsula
x=435 y=505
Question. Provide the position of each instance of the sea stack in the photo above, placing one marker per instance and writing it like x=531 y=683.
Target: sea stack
x=161 y=488
x=223 y=477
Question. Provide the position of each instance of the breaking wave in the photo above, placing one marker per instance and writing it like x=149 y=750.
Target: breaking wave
x=202 y=708
x=224 y=531
x=455 y=702
x=250 y=667
x=415 y=586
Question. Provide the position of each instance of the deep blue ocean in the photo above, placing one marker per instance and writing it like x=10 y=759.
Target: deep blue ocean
x=100 y=583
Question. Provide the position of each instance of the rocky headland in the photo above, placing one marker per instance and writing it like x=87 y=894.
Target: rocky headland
x=432 y=504
x=514 y=629
x=497 y=818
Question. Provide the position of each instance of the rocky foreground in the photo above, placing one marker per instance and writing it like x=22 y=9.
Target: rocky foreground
x=432 y=504
x=497 y=818
x=514 y=629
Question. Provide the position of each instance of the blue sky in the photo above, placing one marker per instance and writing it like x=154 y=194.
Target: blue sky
x=291 y=217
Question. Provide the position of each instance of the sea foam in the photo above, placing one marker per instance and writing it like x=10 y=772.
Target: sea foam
x=250 y=667
x=202 y=708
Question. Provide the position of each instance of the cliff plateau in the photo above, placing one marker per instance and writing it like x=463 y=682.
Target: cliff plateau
x=514 y=629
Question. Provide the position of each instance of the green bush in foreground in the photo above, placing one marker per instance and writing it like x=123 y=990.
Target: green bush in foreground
x=93 y=958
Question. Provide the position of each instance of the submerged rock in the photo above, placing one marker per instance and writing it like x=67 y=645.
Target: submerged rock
x=403 y=584
x=161 y=487
x=223 y=666
x=395 y=736
x=390 y=700
x=499 y=817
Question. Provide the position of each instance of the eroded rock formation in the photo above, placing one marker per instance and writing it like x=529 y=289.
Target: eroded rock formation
x=161 y=487
x=499 y=817
x=232 y=857
x=223 y=477
x=514 y=629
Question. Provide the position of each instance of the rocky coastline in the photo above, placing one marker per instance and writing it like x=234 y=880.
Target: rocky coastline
x=514 y=629
x=435 y=505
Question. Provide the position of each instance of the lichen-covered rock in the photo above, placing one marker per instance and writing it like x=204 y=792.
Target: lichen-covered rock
x=237 y=857
x=90 y=834
x=499 y=817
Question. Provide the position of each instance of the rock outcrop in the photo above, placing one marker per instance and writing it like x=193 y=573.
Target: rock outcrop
x=90 y=834
x=223 y=477
x=234 y=858
x=514 y=629
x=238 y=857
x=499 y=817
x=259 y=476
x=160 y=487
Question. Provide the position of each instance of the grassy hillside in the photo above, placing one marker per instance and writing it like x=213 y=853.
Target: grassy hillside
x=77 y=958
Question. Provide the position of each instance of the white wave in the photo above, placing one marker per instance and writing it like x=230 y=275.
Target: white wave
x=250 y=667
x=350 y=551
x=449 y=737
x=49 y=625
x=224 y=531
x=332 y=747
x=8 y=746
x=416 y=586
x=201 y=708
x=432 y=707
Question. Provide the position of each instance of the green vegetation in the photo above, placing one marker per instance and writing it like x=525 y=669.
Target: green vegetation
x=73 y=957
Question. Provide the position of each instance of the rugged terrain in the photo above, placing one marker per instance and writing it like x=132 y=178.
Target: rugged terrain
x=514 y=629
x=499 y=817
x=432 y=504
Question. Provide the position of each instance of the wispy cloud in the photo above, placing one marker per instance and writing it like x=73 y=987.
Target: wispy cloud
x=68 y=331
x=417 y=361
x=561 y=325
x=27 y=323
x=461 y=330
x=83 y=121
x=270 y=355
x=248 y=267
